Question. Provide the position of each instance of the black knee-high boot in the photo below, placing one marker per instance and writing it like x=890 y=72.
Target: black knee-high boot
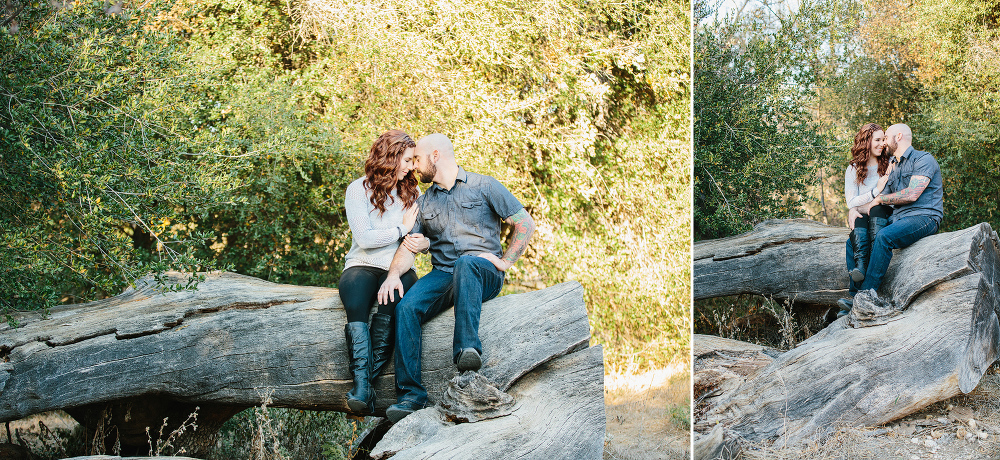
x=361 y=398
x=861 y=242
x=876 y=223
x=382 y=335
x=862 y=248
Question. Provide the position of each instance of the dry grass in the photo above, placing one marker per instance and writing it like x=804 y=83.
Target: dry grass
x=45 y=434
x=648 y=414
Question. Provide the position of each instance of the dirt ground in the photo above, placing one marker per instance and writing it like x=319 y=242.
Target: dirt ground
x=648 y=415
x=963 y=427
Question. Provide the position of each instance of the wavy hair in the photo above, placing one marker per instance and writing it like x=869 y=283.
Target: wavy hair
x=381 y=167
x=862 y=149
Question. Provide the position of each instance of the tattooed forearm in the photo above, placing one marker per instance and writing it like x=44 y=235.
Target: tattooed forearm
x=524 y=226
x=909 y=194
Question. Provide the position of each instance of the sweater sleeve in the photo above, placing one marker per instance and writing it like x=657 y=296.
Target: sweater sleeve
x=363 y=228
x=852 y=194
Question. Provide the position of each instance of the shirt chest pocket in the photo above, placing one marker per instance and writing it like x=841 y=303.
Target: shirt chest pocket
x=472 y=204
x=905 y=174
x=433 y=220
x=476 y=213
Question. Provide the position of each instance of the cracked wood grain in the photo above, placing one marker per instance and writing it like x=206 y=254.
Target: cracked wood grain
x=805 y=261
x=558 y=413
x=939 y=346
x=238 y=335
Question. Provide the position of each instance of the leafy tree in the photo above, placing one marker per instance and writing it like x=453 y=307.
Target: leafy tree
x=756 y=147
x=89 y=164
x=264 y=111
x=947 y=52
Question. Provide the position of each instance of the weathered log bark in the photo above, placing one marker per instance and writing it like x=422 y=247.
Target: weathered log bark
x=795 y=259
x=940 y=336
x=554 y=412
x=237 y=339
x=721 y=365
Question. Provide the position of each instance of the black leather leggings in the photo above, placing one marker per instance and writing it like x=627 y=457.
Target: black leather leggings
x=359 y=290
x=881 y=210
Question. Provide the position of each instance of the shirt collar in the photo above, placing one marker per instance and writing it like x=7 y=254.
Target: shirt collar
x=904 y=156
x=461 y=176
x=906 y=153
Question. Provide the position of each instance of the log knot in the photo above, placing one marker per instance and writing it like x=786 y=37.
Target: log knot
x=470 y=397
x=871 y=310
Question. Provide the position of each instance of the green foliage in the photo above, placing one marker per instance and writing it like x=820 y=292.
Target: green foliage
x=933 y=66
x=263 y=432
x=681 y=416
x=757 y=149
x=236 y=126
x=88 y=162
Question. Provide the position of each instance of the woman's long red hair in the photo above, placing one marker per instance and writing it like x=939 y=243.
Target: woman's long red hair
x=381 y=167
x=862 y=149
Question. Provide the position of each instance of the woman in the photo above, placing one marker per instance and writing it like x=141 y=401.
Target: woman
x=381 y=209
x=866 y=176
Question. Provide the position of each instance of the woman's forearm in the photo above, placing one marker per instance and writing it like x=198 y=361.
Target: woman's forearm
x=860 y=200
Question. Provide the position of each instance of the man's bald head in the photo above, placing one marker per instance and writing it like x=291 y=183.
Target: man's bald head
x=435 y=142
x=435 y=159
x=898 y=138
x=899 y=128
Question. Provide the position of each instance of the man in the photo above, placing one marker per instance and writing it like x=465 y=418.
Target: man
x=460 y=218
x=915 y=191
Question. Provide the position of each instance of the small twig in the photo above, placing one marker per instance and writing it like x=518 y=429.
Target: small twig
x=12 y=17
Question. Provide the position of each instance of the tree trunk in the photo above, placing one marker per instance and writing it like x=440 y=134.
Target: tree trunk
x=237 y=340
x=932 y=334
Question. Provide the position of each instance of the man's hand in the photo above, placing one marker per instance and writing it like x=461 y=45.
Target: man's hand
x=501 y=265
x=882 y=181
x=416 y=242
x=865 y=209
x=389 y=287
x=851 y=215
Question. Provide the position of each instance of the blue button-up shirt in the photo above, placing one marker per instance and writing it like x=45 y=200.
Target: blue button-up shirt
x=931 y=201
x=466 y=219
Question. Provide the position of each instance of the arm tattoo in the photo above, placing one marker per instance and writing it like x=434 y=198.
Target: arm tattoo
x=524 y=226
x=909 y=194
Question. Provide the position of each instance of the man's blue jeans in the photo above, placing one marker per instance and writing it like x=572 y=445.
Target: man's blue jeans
x=475 y=280
x=897 y=235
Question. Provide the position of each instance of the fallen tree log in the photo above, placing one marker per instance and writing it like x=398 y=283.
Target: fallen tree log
x=793 y=259
x=940 y=337
x=557 y=412
x=135 y=358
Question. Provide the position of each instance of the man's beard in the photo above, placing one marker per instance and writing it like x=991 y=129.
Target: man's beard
x=891 y=147
x=428 y=176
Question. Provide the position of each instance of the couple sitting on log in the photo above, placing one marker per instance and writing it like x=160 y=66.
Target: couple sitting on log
x=893 y=202
x=458 y=221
